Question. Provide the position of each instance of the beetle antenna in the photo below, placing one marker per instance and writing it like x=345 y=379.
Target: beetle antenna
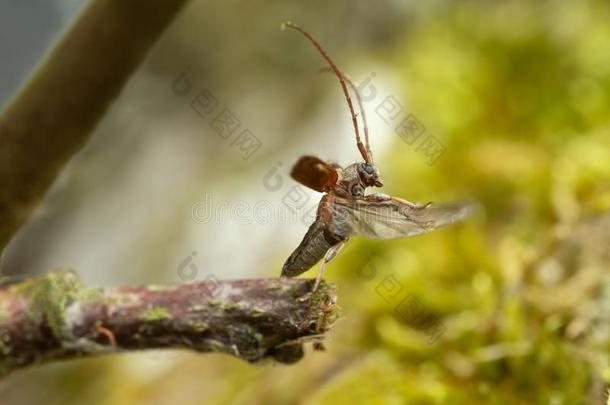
x=363 y=113
x=363 y=150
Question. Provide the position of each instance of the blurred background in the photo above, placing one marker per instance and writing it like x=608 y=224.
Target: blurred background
x=506 y=103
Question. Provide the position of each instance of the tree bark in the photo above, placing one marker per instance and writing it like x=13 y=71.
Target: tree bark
x=55 y=317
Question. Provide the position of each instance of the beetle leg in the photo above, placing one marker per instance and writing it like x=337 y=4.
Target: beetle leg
x=330 y=254
x=377 y=197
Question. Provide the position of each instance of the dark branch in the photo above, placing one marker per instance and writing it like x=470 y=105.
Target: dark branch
x=55 y=317
x=52 y=116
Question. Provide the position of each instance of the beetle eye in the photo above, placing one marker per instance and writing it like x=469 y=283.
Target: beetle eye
x=368 y=168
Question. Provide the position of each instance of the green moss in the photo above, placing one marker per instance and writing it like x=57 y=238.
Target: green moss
x=3 y=338
x=256 y=312
x=215 y=302
x=199 y=326
x=21 y=287
x=50 y=296
x=155 y=314
x=319 y=299
x=295 y=292
x=228 y=306
x=223 y=305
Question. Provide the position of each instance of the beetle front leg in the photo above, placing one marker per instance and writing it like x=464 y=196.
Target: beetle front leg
x=377 y=197
x=381 y=198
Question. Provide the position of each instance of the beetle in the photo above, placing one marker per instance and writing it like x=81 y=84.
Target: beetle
x=345 y=210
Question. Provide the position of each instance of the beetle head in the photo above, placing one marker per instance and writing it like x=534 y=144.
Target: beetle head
x=369 y=175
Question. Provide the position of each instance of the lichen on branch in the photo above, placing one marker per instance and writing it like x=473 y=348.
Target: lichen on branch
x=55 y=317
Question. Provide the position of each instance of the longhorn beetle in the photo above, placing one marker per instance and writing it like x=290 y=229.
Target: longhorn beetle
x=345 y=210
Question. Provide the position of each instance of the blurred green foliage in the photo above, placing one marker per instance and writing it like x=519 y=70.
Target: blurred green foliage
x=520 y=92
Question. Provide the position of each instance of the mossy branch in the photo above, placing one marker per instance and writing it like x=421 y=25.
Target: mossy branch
x=55 y=317
x=52 y=116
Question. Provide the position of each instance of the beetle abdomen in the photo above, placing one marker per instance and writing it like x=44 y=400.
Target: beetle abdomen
x=311 y=249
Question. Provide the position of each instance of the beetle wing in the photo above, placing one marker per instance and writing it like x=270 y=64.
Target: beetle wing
x=315 y=173
x=396 y=218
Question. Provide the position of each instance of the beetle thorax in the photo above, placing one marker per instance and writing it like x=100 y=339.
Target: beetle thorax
x=354 y=180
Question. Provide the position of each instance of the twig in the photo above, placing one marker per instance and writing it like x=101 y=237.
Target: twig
x=55 y=317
